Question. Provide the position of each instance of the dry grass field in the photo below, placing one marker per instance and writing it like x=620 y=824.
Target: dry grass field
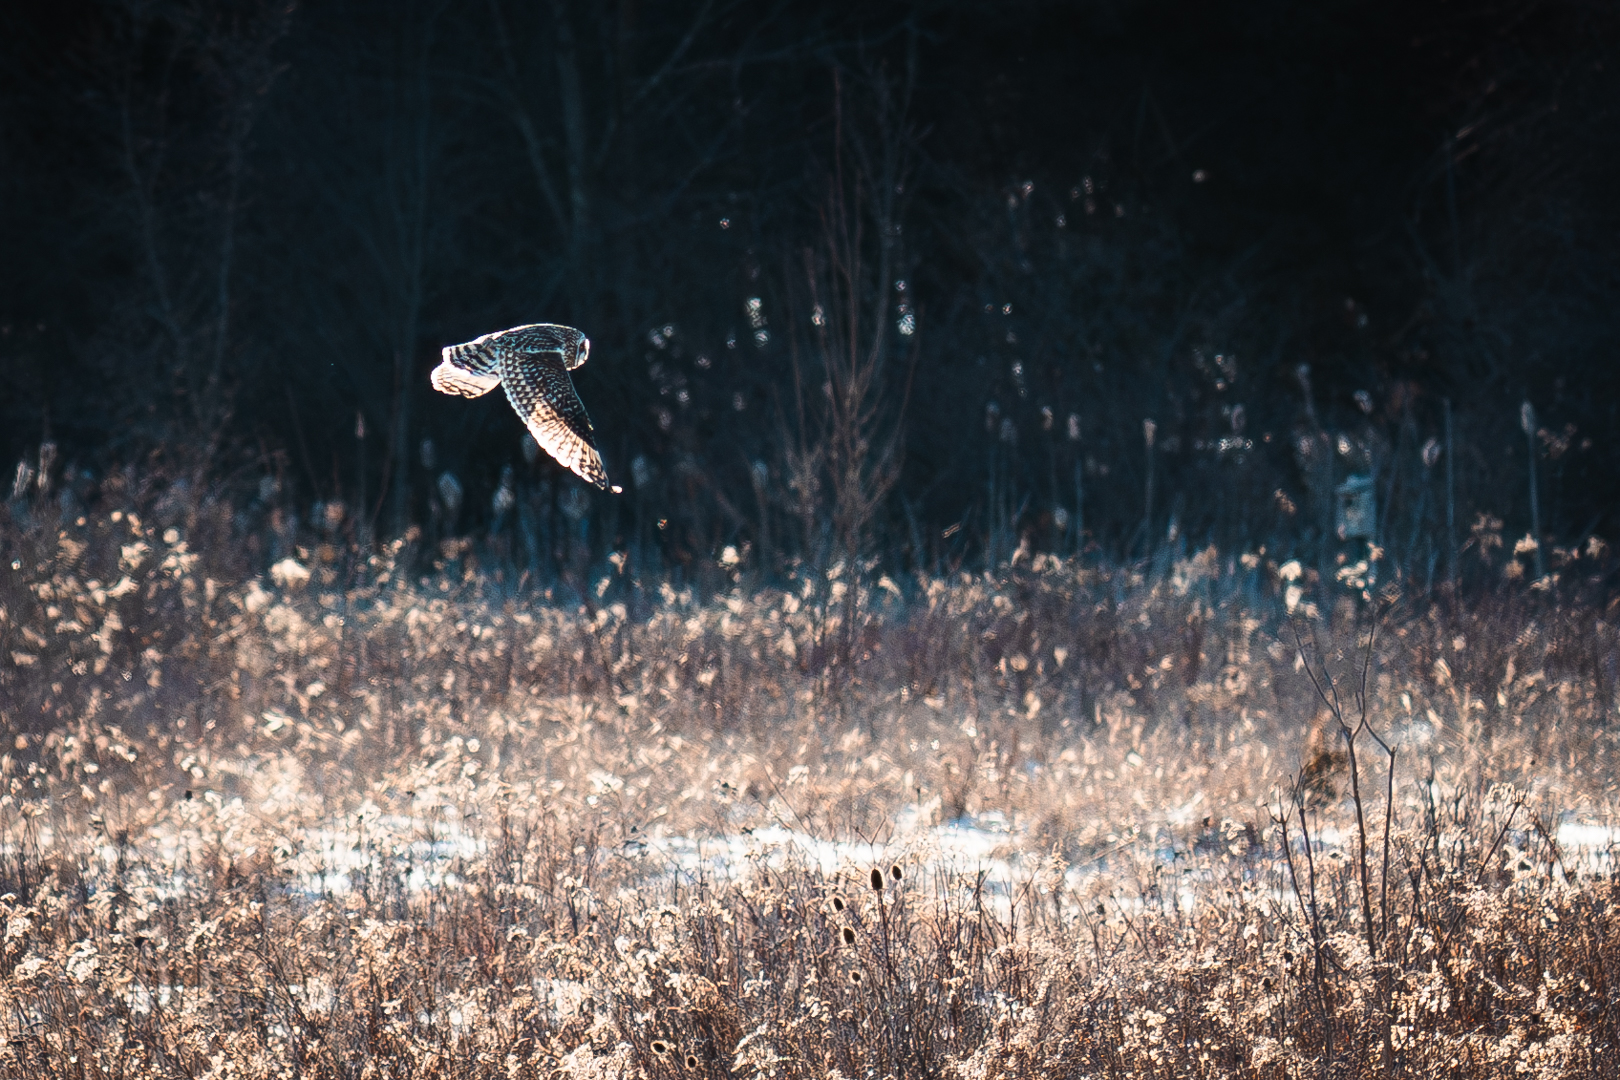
x=348 y=821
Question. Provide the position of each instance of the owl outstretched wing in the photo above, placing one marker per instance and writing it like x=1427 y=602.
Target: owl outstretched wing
x=540 y=390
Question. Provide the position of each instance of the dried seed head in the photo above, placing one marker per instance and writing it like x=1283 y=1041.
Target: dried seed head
x=895 y=872
x=854 y=976
x=660 y=1047
x=692 y=1061
x=877 y=880
x=849 y=936
x=838 y=903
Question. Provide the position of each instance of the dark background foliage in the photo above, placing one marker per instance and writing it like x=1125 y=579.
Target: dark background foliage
x=1293 y=238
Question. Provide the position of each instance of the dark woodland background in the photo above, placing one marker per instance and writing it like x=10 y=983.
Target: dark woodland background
x=920 y=281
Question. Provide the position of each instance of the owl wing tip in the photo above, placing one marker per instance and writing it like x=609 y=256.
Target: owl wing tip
x=589 y=468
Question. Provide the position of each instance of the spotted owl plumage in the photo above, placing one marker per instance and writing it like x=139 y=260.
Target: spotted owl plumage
x=532 y=363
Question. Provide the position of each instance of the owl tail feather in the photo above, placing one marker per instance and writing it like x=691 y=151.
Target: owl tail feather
x=451 y=378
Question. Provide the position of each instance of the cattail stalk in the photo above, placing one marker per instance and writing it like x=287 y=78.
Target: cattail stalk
x=1079 y=485
x=1451 y=500
x=361 y=516
x=992 y=510
x=1527 y=421
x=1149 y=429
x=1079 y=506
x=1007 y=513
x=760 y=473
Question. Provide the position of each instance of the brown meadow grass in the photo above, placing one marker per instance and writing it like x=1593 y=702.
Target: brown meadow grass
x=346 y=820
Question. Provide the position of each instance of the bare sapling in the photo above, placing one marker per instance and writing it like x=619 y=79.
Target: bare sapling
x=844 y=454
x=1327 y=693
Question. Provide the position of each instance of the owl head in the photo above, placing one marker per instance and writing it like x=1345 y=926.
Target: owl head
x=578 y=351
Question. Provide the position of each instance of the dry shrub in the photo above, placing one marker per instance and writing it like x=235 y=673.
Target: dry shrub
x=368 y=823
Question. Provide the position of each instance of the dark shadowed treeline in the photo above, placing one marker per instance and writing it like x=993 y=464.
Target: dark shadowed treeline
x=926 y=281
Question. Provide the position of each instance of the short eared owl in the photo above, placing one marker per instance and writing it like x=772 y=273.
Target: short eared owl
x=533 y=363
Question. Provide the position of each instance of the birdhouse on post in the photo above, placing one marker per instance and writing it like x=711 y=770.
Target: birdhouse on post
x=1356 y=510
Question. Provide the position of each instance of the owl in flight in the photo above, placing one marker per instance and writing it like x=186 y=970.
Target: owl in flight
x=532 y=363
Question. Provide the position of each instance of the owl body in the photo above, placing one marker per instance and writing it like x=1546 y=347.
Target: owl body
x=532 y=363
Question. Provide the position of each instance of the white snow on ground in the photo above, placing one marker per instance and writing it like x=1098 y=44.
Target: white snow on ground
x=983 y=860
x=1574 y=834
x=1589 y=848
x=967 y=845
x=418 y=854
x=987 y=855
